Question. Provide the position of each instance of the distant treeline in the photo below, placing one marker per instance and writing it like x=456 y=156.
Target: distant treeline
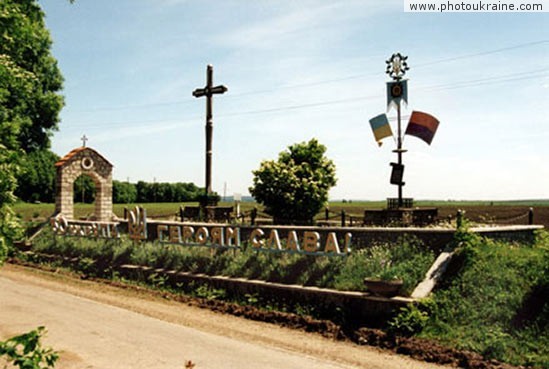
x=36 y=183
x=140 y=192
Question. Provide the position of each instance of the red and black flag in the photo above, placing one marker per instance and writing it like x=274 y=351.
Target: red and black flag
x=422 y=125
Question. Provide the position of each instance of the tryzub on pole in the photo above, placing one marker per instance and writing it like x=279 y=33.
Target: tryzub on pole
x=209 y=91
x=397 y=91
x=421 y=125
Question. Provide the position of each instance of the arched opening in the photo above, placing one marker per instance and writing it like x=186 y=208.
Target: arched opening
x=84 y=190
x=84 y=194
x=87 y=187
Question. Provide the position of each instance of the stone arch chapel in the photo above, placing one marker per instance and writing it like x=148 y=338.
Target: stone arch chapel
x=87 y=161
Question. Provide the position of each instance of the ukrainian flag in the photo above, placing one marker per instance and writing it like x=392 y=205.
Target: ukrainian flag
x=380 y=127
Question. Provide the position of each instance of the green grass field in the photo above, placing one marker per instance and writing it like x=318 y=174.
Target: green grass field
x=500 y=212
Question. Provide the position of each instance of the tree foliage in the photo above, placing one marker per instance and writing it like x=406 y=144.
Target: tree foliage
x=36 y=178
x=10 y=228
x=29 y=101
x=29 y=77
x=294 y=188
x=167 y=192
x=84 y=189
x=123 y=192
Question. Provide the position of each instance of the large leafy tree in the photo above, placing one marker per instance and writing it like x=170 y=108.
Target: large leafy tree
x=294 y=188
x=36 y=178
x=29 y=100
x=29 y=97
x=14 y=78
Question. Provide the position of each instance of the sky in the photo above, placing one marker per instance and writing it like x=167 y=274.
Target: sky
x=297 y=70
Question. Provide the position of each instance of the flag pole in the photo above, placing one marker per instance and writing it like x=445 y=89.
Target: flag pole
x=399 y=153
x=396 y=68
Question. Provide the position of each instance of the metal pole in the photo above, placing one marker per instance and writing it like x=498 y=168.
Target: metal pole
x=399 y=153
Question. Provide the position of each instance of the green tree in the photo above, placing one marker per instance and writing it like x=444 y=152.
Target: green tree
x=36 y=179
x=84 y=189
x=144 y=192
x=294 y=188
x=29 y=112
x=29 y=101
x=10 y=229
x=123 y=192
x=29 y=77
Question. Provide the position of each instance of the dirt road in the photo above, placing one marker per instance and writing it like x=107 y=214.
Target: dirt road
x=99 y=326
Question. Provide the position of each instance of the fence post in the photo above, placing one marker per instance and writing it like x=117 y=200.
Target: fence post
x=125 y=213
x=181 y=214
x=253 y=215
x=459 y=218
x=327 y=213
x=343 y=218
x=531 y=216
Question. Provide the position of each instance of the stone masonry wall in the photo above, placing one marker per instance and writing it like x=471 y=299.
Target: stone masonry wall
x=88 y=162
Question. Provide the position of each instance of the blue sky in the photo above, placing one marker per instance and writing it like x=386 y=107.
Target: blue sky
x=302 y=69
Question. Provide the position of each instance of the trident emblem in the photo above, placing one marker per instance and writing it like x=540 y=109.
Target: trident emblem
x=137 y=224
x=397 y=66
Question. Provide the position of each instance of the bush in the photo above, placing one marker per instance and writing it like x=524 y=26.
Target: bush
x=26 y=352
x=410 y=321
x=294 y=188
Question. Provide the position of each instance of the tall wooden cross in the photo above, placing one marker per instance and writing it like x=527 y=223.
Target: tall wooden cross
x=84 y=139
x=209 y=91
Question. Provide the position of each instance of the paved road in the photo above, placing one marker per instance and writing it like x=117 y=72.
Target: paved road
x=90 y=332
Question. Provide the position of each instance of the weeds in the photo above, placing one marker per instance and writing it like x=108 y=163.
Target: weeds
x=493 y=303
x=410 y=321
x=100 y=258
x=405 y=260
x=26 y=352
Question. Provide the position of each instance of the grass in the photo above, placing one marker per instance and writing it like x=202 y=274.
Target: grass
x=494 y=302
x=408 y=259
x=28 y=211
x=484 y=212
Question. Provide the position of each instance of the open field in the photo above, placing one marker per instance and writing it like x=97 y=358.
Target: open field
x=490 y=212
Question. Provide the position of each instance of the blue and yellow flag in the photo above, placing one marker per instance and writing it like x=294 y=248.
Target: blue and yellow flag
x=381 y=128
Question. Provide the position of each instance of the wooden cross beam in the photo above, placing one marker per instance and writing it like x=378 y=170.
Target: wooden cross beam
x=209 y=91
